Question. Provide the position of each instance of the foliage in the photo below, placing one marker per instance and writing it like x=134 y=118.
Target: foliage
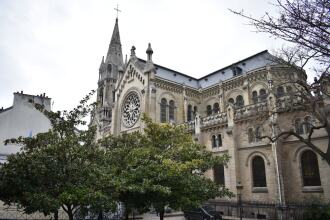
x=317 y=212
x=61 y=168
x=162 y=167
x=305 y=25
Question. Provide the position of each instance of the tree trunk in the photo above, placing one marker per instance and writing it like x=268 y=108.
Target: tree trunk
x=56 y=215
x=70 y=214
x=100 y=216
x=161 y=214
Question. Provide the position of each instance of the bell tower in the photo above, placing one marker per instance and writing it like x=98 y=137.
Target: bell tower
x=108 y=76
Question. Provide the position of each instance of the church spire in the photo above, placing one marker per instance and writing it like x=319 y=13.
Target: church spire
x=114 y=55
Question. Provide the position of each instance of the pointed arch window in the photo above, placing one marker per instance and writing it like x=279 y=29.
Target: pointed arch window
x=189 y=113
x=171 y=111
x=163 y=105
x=216 y=108
x=101 y=96
x=263 y=95
x=258 y=172
x=209 y=110
x=255 y=97
x=219 y=174
x=310 y=169
x=239 y=101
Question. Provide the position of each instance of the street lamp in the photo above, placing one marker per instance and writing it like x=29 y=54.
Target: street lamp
x=239 y=188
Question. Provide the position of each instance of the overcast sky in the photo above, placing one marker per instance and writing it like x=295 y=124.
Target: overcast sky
x=55 y=46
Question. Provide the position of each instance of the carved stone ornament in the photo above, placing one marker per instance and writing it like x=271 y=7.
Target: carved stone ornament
x=131 y=109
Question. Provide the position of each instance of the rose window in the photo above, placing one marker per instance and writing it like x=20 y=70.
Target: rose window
x=131 y=109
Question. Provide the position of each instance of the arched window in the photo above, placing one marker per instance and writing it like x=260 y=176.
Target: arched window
x=109 y=67
x=231 y=100
x=298 y=125
x=219 y=174
x=280 y=91
x=216 y=108
x=189 y=113
x=214 y=141
x=310 y=169
x=258 y=172
x=219 y=144
x=209 y=110
x=263 y=95
x=101 y=96
x=171 y=111
x=308 y=124
x=195 y=111
x=255 y=97
x=251 y=135
x=163 y=104
x=239 y=101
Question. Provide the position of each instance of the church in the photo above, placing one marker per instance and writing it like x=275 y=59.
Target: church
x=221 y=111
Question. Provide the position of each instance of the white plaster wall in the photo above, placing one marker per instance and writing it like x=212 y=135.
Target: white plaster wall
x=21 y=120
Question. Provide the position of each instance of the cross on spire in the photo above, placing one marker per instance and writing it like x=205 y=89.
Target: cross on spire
x=117 y=9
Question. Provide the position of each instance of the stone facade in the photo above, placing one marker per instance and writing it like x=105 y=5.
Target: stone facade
x=223 y=111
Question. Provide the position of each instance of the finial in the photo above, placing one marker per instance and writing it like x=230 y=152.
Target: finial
x=149 y=52
x=125 y=59
x=133 y=51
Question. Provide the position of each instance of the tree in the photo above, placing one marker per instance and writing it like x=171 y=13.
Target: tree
x=305 y=24
x=61 y=168
x=163 y=167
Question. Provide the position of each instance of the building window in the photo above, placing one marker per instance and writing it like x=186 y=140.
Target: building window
x=263 y=95
x=113 y=96
x=236 y=70
x=208 y=110
x=219 y=140
x=171 y=111
x=189 y=113
x=299 y=127
x=308 y=124
x=258 y=172
x=255 y=97
x=101 y=96
x=310 y=169
x=163 y=105
x=195 y=111
x=231 y=100
x=214 y=141
x=258 y=134
x=239 y=101
x=219 y=174
x=289 y=89
x=216 y=108
x=280 y=91
x=251 y=135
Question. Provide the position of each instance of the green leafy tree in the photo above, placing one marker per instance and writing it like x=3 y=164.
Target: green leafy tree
x=163 y=167
x=61 y=168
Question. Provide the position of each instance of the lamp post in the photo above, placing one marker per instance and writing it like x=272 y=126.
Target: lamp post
x=239 y=188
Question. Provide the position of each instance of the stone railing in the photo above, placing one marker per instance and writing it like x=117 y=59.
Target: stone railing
x=250 y=110
x=219 y=118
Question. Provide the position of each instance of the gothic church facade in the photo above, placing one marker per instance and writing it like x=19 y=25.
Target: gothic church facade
x=221 y=110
